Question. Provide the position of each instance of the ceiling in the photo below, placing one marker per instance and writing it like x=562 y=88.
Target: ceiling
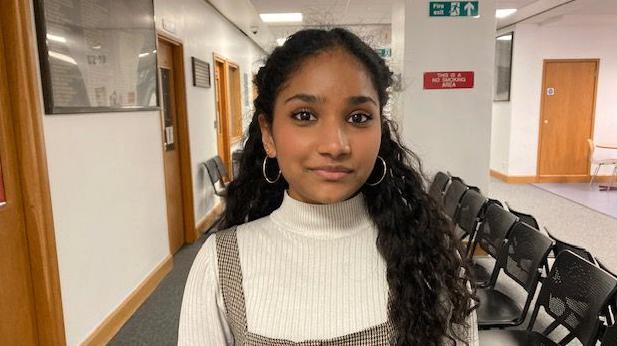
x=378 y=13
x=345 y=12
x=331 y=12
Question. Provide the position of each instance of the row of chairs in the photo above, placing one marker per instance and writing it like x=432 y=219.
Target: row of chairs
x=216 y=172
x=576 y=292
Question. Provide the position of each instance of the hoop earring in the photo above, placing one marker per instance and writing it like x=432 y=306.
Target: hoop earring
x=385 y=169
x=263 y=169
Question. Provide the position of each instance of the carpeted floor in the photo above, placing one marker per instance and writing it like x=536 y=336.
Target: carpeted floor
x=590 y=196
x=156 y=321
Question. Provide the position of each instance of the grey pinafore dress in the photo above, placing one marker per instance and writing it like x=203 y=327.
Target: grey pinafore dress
x=230 y=277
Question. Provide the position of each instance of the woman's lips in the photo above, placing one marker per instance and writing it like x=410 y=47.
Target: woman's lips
x=332 y=173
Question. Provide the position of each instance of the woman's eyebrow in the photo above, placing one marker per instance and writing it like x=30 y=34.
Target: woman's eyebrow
x=352 y=100
x=358 y=100
x=306 y=98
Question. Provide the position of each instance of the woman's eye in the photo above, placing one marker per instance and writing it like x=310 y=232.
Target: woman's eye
x=304 y=116
x=359 y=118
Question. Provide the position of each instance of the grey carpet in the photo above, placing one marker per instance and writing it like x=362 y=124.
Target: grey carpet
x=156 y=321
x=587 y=195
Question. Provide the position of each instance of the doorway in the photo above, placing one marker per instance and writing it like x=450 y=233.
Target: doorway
x=30 y=299
x=175 y=143
x=566 y=119
x=17 y=295
x=228 y=108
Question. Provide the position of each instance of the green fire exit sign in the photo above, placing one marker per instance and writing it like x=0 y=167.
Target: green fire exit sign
x=454 y=9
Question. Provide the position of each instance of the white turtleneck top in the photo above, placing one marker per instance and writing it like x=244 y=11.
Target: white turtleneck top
x=309 y=272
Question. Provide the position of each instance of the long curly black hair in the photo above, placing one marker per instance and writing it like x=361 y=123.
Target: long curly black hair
x=429 y=297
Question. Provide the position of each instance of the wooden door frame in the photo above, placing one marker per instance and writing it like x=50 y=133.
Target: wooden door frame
x=564 y=178
x=183 y=140
x=235 y=97
x=22 y=74
x=227 y=105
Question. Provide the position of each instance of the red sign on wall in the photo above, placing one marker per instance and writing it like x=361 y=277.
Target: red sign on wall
x=448 y=80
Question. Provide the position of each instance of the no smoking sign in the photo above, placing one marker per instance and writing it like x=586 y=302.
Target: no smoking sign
x=448 y=80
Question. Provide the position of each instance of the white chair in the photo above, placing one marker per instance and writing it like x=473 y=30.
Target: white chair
x=600 y=163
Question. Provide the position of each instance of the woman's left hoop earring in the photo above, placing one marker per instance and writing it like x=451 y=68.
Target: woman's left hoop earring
x=263 y=169
x=385 y=169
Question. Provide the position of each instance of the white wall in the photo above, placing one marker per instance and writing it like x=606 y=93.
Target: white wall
x=107 y=180
x=204 y=32
x=567 y=37
x=107 y=191
x=500 y=136
x=449 y=129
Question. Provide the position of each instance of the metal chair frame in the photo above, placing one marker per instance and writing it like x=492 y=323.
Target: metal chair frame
x=532 y=281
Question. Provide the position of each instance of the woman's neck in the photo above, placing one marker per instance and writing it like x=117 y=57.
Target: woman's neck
x=323 y=220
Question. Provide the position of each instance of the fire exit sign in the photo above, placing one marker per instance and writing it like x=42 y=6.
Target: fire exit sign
x=454 y=8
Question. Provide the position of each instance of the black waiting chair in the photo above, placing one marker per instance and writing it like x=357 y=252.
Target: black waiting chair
x=611 y=309
x=438 y=186
x=524 y=217
x=521 y=258
x=220 y=166
x=216 y=179
x=560 y=246
x=490 y=237
x=452 y=197
x=573 y=296
x=468 y=216
x=609 y=338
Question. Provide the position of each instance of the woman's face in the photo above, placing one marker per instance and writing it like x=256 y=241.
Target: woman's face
x=326 y=129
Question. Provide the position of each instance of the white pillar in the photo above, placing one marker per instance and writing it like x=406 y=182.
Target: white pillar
x=449 y=129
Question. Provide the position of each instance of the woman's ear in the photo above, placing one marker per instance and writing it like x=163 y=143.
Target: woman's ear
x=266 y=136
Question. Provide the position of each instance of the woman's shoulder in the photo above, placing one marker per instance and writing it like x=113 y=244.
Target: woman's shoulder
x=249 y=227
x=243 y=230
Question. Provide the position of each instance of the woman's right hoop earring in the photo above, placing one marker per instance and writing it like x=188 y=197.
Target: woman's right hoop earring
x=263 y=169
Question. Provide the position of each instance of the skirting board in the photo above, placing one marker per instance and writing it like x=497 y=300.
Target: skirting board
x=208 y=221
x=112 y=324
x=522 y=179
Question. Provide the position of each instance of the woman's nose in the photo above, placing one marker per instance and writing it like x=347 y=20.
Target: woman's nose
x=334 y=142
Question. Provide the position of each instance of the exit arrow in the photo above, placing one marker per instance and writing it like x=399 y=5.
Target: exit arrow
x=469 y=8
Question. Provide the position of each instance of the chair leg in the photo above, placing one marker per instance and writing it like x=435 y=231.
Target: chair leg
x=595 y=173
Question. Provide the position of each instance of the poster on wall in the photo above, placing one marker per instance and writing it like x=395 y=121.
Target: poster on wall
x=97 y=55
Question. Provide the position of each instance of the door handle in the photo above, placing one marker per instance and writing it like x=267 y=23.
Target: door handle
x=545 y=121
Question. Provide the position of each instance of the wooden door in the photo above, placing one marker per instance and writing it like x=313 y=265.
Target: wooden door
x=235 y=100
x=566 y=119
x=222 y=110
x=171 y=152
x=17 y=304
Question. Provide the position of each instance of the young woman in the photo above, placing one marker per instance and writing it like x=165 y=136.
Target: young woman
x=331 y=237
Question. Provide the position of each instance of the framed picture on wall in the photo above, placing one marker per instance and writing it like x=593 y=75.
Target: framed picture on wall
x=503 y=67
x=97 y=56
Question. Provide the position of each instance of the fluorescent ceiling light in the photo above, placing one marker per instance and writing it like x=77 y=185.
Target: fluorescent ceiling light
x=62 y=57
x=143 y=54
x=281 y=41
x=505 y=38
x=503 y=13
x=281 y=17
x=56 y=38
